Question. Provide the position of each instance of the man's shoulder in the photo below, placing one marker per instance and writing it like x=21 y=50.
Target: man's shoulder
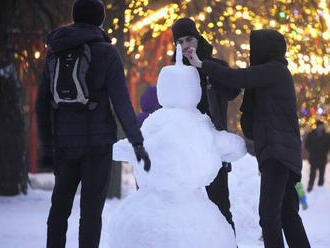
x=312 y=133
x=104 y=48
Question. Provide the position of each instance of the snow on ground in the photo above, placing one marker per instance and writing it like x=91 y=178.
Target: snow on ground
x=244 y=183
x=23 y=218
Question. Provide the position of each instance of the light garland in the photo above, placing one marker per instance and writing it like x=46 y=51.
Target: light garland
x=306 y=31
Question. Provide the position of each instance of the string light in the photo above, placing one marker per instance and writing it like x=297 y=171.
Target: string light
x=37 y=55
x=306 y=31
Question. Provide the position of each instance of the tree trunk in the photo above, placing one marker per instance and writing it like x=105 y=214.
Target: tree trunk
x=13 y=168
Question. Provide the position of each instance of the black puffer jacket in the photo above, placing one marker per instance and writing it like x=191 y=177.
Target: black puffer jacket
x=106 y=77
x=318 y=146
x=269 y=103
x=223 y=93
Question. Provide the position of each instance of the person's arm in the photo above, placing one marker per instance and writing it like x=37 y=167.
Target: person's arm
x=43 y=113
x=43 y=110
x=251 y=77
x=328 y=143
x=118 y=92
x=227 y=92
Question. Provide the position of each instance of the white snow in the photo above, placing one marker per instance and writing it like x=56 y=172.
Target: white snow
x=185 y=151
x=23 y=218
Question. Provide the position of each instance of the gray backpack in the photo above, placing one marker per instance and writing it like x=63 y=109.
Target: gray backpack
x=68 y=72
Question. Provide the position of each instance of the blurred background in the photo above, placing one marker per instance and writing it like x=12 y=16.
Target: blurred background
x=141 y=31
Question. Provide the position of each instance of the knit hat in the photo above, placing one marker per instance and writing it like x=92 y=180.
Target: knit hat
x=88 y=11
x=184 y=27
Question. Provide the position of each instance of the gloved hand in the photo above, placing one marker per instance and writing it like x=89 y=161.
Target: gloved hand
x=226 y=166
x=141 y=153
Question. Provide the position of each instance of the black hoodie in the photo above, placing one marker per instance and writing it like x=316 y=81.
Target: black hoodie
x=106 y=77
x=269 y=103
x=223 y=94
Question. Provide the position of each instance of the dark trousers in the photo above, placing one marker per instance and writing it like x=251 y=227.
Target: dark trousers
x=279 y=206
x=92 y=167
x=320 y=166
x=219 y=194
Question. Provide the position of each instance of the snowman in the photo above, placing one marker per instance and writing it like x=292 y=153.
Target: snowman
x=171 y=208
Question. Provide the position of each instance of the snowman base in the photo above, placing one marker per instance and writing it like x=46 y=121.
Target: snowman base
x=151 y=218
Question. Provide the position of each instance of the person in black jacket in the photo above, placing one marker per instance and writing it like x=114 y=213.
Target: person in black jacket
x=318 y=145
x=212 y=103
x=270 y=119
x=80 y=140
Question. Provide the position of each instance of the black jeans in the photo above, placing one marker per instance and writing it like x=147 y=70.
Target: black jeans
x=92 y=167
x=219 y=194
x=279 y=206
x=314 y=167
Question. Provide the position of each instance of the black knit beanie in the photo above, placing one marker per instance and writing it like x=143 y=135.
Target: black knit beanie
x=184 y=27
x=88 y=11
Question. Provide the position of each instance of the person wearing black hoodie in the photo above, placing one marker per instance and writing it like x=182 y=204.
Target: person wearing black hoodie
x=80 y=140
x=269 y=118
x=212 y=103
x=318 y=145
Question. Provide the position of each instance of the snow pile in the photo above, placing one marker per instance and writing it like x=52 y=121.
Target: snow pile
x=244 y=187
x=45 y=181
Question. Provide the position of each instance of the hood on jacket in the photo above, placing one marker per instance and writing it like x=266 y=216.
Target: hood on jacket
x=149 y=101
x=204 y=51
x=267 y=45
x=67 y=37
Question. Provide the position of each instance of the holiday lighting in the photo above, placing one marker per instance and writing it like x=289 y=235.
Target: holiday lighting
x=37 y=55
x=227 y=26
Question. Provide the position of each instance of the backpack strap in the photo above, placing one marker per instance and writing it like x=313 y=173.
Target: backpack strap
x=84 y=64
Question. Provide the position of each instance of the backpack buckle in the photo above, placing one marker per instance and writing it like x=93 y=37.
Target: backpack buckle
x=92 y=105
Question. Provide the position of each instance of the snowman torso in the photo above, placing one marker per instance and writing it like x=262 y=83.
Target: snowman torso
x=180 y=144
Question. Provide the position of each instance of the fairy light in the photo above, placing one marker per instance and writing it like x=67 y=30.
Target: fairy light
x=114 y=41
x=37 y=55
x=170 y=53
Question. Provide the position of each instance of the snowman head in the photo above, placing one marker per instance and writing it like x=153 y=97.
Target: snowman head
x=178 y=85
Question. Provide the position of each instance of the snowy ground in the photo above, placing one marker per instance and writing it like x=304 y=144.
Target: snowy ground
x=23 y=218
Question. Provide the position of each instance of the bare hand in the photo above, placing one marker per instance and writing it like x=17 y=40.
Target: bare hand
x=191 y=55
